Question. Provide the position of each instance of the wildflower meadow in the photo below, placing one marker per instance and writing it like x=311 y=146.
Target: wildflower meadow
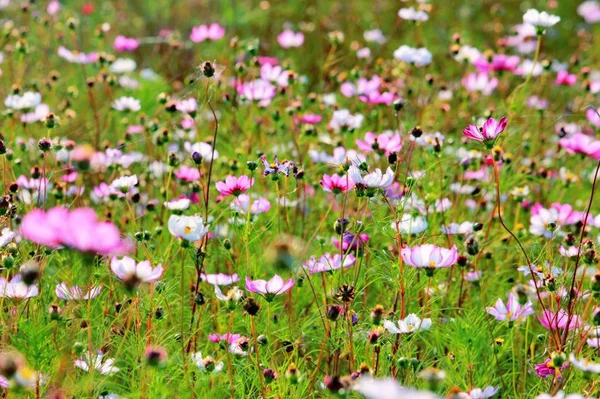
x=299 y=199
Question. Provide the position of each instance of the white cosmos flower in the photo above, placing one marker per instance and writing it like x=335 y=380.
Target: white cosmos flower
x=411 y=224
x=124 y=182
x=540 y=19
x=6 y=237
x=412 y=323
x=418 y=56
x=388 y=388
x=17 y=289
x=122 y=65
x=190 y=228
x=180 y=204
x=127 y=104
x=374 y=179
x=411 y=14
x=584 y=365
x=206 y=364
x=29 y=99
x=97 y=363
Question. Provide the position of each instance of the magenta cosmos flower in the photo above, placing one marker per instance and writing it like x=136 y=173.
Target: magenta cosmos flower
x=123 y=43
x=580 y=143
x=257 y=90
x=234 y=185
x=337 y=184
x=201 y=33
x=132 y=273
x=269 y=289
x=383 y=144
x=429 y=257
x=488 y=133
x=512 y=311
x=78 y=229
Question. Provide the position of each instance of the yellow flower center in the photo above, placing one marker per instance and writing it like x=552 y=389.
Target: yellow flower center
x=187 y=229
x=431 y=264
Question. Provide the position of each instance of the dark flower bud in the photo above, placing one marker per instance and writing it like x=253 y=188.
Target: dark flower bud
x=340 y=225
x=334 y=311
x=269 y=375
x=30 y=272
x=416 y=132
x=251 y=306
x=55 y=312
x=45 y=144
x=208 y=69
x=377 y=314
x=200 y=300
x=472 y=245
x=262 y=340
x=392 y=158
x=197 y=158
x=159 y=313
x=155 y=356
x=477 y=226
x=462 y=260
x=398 y=104
x=2 y=148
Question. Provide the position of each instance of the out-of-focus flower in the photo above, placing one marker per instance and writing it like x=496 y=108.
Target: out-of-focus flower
x=201 y=33
x=97 y=363
x=76 y=293
x=412 y=323
x=288 y=38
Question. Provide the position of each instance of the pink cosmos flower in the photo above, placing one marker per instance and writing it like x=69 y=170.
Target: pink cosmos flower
x=201 y=33
x=378 y=98
x=488 y=133
x=362 y=87
x=228 y=338
x=288 y=39
x=17 y=289
x=187 y=174
x=269 y=289
x=275 y=74
x=351 y=242
x=563 y=78
x=512 y=311
x=328 y=263
x=481 y=82
x=555 y=321
x=429 y=256
x=257 y=90
x=242 y=204
x=311 y=119
x=499 y=62
x=220 y=278
x=124 y=44
x=593 y=117
x=53 y=7
x=580 y=143
x=78 y=229
x=336 y=184
x=76 y=293
x=132 y=273
x=383 y=144
x=187 y=106
x=234 y=185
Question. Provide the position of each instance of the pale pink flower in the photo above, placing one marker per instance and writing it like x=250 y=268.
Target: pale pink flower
x=429 y=256
x=132 y=273
x=558 y=320
x=288 y=39
x=201 y=33
x=327 y=263
x=480 y=82
x=76 y=293
x=220 y=278
x=271 y=288
x=512 y=311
